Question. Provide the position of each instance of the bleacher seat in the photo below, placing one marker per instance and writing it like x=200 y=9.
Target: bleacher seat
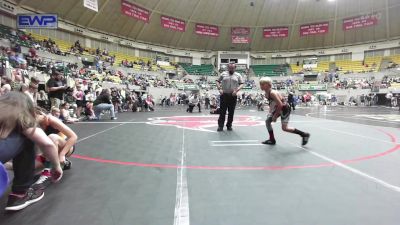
x=395 y=59
x=322 y=66
x=350 y=66
x=268 y=70
x=296 y=68
x=203 y=70
x=370 y=61
x=65 y=46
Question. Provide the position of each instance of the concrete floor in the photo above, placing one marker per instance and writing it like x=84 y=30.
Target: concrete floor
x=170 y=167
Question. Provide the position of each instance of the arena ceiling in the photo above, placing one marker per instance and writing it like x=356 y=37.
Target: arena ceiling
x=254 y=14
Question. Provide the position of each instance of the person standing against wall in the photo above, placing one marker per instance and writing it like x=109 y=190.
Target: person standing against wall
x=228 y=84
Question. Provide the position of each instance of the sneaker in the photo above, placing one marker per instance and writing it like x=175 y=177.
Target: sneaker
x=44 y=181
x=229 y=128
x=306 y=137
x=67 y=165
x=114 y=118
x=269 y=142
x=220 y=129
x=18 y=202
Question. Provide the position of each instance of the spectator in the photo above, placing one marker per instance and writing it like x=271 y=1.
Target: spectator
x=80 y=103
x=56 y=89
x=6 y=82
x=207 y=100
x=65 y=113
x=88 y=100
x=389 y=97
x=149 y=103
x=193 y=102
x=291 y=101
x=55 y=112
x=102 y=103
x=42 y=100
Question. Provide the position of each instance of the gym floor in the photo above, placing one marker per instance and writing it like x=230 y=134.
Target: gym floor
x=170 y=167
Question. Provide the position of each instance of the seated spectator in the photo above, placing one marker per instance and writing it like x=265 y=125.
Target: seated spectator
x=24 y=88
x=102 y=103
x=77 y=44
x=214 y=106
x=55 y=112
x=32 y=53
x=6 y=85
x=65 y=113
x=149 y=103
x=18 y=137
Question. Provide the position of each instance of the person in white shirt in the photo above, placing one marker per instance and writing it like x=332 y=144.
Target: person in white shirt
x=229 y=84
x=207 y=100
x=389 y=97
x=193 y=102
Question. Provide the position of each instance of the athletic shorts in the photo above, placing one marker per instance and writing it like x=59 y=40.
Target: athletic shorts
x=285 y=114
x=80 y=103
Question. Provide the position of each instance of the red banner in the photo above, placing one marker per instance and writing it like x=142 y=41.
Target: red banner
x=276 y=32
x=135 y=11
x=173 y=23
x=243 y=31
x=240 y=39
x=240 y=35
x=207 y=30
x=361 y=21
x=313 y=29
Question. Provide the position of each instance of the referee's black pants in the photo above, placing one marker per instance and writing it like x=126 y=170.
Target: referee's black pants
x=227 y=102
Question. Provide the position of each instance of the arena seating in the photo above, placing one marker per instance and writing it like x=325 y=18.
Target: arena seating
x=346 y=65
x=62 y=45
x=5 y=32
x=395 y=59
x=350 y=66
x=268 y=70
x=296 y=68
x=370 y=64
x=370 y=61
x=119 y=57
x=242 y=72
x=170 y=67
x=203 y=70
x=322 y=66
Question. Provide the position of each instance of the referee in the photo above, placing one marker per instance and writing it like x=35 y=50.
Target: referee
x=229 y=84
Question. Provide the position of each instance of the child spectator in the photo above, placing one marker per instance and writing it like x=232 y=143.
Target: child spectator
x=79 y=95
x=55 y=112
x=65 y=113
